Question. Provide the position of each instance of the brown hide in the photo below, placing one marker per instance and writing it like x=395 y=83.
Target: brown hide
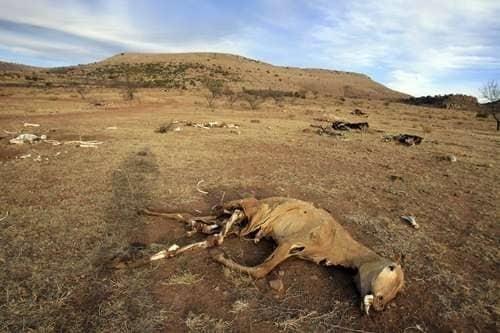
x=301 y=229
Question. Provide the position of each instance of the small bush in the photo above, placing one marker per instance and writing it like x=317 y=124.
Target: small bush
x=253 y=100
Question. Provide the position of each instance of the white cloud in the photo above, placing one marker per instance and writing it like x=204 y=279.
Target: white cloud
x=110 y=23
x=416 y=42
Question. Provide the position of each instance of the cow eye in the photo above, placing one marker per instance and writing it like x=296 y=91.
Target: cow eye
x=392 y=267
x=380 y=298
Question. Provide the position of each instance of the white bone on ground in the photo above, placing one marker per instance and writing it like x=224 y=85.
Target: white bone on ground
x=174 y=247
x=412 y=220
x=158 y=256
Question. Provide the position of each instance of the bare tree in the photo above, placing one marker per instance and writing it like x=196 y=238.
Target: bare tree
x=215 y=88
x=231 y=96
x=491 y=92
x=129 y=88
x=253 y=100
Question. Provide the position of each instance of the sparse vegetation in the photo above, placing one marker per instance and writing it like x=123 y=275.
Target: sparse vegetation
x=214 y=88
x=254 y=101
x=75 y=209
x=186 y=278
x=231 y=96
x=203 y=323
x=129 y=88
x=491 y=92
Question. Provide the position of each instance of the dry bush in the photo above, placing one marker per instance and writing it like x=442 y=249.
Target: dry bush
x=129 y=88
x=186 y=278
x=254 y=101
x=231 y=96
x=204 y=323
x=215 y=89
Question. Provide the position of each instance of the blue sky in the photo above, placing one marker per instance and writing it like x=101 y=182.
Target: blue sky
x=418 y=47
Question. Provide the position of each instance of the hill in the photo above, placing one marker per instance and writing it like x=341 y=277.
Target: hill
x=450 y=101
x=188 y=70
x=13 y=67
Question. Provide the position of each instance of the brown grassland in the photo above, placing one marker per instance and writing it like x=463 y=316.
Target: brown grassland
x=71 y=212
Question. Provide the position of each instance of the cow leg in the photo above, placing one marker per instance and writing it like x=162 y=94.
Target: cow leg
x=280 y=254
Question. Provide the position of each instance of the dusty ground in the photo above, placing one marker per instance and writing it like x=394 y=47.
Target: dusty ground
x=72 y=212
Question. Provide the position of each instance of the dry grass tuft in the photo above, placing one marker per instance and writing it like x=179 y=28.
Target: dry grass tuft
x=186 y=278
x=240 y=306
x=204 y=323
x=238 y=279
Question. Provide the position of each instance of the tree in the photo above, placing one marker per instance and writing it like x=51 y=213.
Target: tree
x=231 y=96
x=491 y=92
x=214 y=88
x=129 y=87
x=254 y=100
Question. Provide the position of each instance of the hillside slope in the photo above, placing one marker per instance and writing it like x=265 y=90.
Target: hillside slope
x=188 y=71
x=249 y=73
x=13 y=67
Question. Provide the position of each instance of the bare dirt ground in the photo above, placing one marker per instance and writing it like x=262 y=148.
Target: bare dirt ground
x=71 y=212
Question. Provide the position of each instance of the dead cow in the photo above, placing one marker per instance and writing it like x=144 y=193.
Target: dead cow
x=300 y=230
x=346 y=126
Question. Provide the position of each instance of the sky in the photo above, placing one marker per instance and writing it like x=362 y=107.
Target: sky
x=423 y=47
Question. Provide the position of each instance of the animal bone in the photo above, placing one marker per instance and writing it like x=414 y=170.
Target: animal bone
x=367 y=303
x=198 y=187
x=26 y=137
x=412 y=220
x=5 y=216
x=304 y=231
x=214 y=240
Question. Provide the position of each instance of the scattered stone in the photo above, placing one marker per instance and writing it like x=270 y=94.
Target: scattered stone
x=451 y=158
x=358 y=112
x=277 y=285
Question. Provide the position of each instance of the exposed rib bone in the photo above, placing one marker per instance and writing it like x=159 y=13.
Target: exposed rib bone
x=198 y=187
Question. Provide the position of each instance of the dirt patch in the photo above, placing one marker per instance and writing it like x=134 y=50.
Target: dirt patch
x=69 y=215
x=9 y=152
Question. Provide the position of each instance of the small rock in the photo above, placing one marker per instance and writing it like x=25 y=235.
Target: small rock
x=281 y=273
x=277 y=285
x=451 y=158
